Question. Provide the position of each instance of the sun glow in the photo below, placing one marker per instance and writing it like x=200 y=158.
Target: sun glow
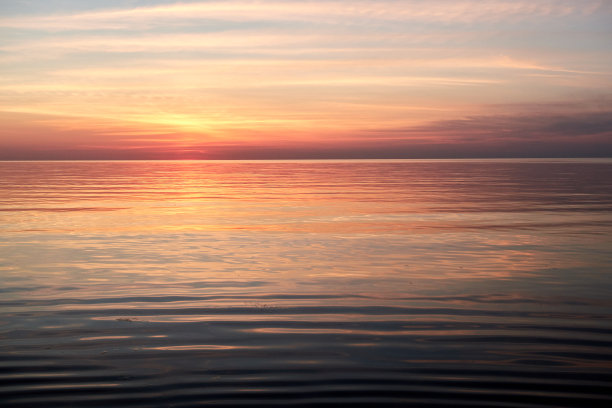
x=237 y=79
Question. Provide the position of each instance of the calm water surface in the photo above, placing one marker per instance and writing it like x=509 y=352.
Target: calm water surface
x=400 y=283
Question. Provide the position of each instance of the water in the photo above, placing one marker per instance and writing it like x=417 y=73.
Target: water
x=399 y=283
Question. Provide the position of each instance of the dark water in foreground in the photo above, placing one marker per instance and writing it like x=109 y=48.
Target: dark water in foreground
x=419 y=283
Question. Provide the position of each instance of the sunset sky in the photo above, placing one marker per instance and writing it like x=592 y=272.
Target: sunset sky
x=109 y=79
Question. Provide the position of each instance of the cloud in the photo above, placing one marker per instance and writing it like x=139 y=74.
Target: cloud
x=155 y=43
x=444 y=11
x=346 y=77
x=550 y=129
x=524 y=135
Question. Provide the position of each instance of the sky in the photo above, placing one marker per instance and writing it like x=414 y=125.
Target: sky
x=240 y=79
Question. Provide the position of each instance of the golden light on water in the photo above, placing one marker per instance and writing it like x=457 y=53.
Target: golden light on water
x=163 y=282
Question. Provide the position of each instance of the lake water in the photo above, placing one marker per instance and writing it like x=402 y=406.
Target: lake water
x=311 y=283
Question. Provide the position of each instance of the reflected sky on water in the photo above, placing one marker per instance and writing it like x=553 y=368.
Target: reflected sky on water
x=184 y=270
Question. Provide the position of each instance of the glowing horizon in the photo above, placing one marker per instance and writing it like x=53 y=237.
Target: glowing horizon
x=309 y=79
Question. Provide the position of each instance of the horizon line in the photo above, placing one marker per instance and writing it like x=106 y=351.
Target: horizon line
x=547 y=158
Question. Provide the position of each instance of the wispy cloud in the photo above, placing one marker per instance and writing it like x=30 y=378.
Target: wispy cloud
x=495 y=129
x=326 y=73
x=462 y=11
x=552 y=134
